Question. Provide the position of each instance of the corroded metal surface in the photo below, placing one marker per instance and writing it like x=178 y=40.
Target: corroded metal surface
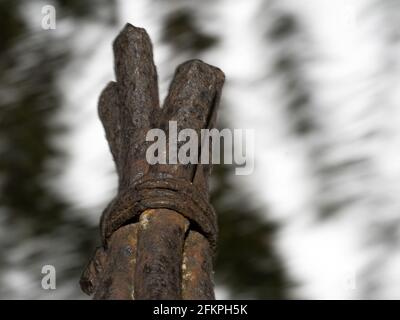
x=117 y=280
x=157 y=192
x=159 y=254
x=197 y=268
x=92 y=273
x=110 y=274
x=147 y=231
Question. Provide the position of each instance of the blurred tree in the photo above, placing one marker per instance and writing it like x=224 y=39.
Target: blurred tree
x=342 y=153
x=286 y=35
x=379 y=273
x=247 y=264
x=40 y=226
x=182 y=33
x=293 y=56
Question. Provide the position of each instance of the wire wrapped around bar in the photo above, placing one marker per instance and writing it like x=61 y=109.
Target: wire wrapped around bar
x=160 y=192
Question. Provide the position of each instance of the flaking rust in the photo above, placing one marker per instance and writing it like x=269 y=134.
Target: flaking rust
x=159 y=233
x=197 y=282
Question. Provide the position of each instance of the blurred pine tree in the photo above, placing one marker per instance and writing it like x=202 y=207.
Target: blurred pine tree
x=39 y=225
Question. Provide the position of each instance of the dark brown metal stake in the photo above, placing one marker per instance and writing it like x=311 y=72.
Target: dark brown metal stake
x=159 y=232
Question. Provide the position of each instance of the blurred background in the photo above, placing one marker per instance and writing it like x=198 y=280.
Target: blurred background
x=319 y=82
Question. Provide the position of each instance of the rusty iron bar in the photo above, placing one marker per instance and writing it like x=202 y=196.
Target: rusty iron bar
x=159 y=255
x=159 y=233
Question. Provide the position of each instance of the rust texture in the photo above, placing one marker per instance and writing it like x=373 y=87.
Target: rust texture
x=117 y=279
x=159 y=232
x=197 y=268
x=159 y=254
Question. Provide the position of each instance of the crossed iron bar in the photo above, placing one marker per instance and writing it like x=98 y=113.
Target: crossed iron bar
x=159 y=233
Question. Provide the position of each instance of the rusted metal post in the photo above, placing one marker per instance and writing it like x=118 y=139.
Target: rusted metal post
x=159 y=233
